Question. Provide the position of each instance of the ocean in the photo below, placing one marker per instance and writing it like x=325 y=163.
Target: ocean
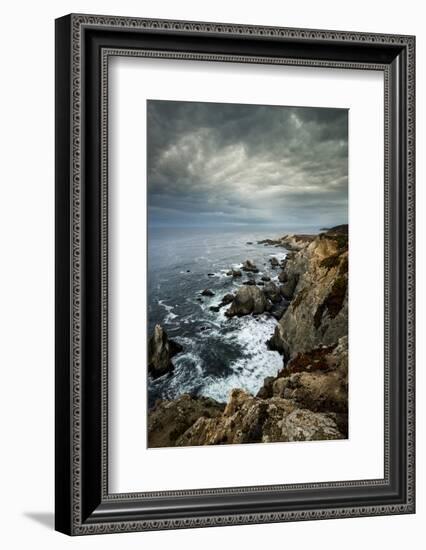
x=219 y=354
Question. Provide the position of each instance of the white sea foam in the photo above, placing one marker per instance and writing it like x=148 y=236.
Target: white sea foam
x=280 y=256
x=256 y=362
x=219 y=274
x=170 y=315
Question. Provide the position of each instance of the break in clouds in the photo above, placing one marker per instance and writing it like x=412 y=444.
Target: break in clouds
x=217 y=164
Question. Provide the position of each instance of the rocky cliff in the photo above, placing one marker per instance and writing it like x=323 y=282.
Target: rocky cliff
x=308 y=398
x=318 y=310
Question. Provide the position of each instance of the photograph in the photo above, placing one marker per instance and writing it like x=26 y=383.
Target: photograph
x=247 y=274
x=234 y=272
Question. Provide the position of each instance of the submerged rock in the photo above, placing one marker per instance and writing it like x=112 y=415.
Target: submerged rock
x=207 y=292
x=234 y=273
x=249 y=299
x=250 y=267
x=160 y=352
x=227 y=299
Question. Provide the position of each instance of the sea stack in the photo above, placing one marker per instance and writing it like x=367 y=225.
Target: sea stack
x=160 y=352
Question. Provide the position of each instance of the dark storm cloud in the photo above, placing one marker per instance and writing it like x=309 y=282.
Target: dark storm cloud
x=224 y=163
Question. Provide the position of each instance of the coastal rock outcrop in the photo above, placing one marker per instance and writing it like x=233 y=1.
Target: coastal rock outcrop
x=160 y=352
x=226 y=299
x=249 y=267
x=248 y=419
x=308 y=398
x=207 y=292
x=234 y=273
x=169 y=419
x=316 y=380
x=316 y=283
x=249 y=299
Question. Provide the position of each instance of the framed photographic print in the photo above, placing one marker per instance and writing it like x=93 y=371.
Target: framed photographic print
x=234 y=274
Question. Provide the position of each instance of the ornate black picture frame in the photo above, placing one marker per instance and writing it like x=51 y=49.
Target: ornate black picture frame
x=83 y=45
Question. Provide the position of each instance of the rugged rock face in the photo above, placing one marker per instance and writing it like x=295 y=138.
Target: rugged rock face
x=168 y=420
x=316 y=380
x=160 y=352
x=289 y=285
x=248 y=419
x=307 y=400
x=308 y=397
x=249 y=299
x=290 y=242
x=318 y=312
x=272 y=292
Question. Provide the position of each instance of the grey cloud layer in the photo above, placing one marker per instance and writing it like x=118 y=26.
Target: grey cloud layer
x=224 y=163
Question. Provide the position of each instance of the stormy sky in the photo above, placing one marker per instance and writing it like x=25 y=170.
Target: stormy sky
x=219 y=164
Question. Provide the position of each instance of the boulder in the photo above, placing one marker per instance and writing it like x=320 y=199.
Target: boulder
x=305 y=425
x=249 y=299
x=234 y=273
x=282 y=276
x=274 y=262
x=249 y=266
x=160 y=352
x=265 y=278
x=207 y=292
x=226 y=299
